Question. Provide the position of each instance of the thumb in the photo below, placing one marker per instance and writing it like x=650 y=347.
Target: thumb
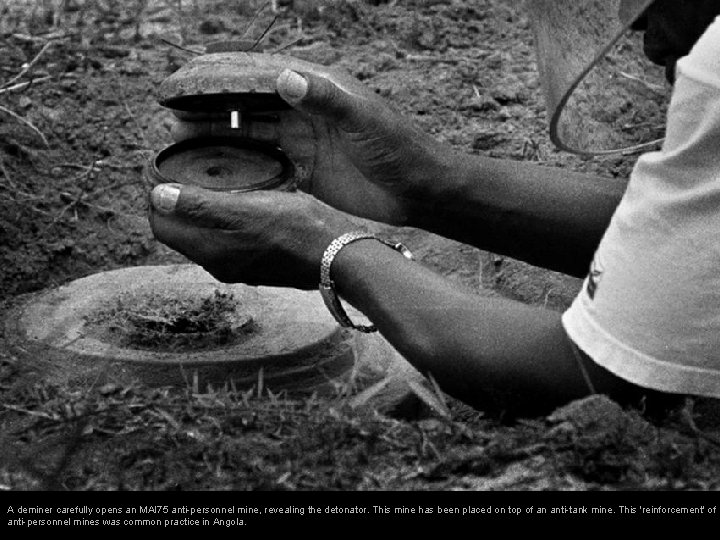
x=205 y=208
x=320 y=96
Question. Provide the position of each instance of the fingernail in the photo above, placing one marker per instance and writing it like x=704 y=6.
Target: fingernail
x=292 y=85
x=164 y=197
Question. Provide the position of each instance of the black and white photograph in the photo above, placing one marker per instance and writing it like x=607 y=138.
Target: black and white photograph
x=351 y=248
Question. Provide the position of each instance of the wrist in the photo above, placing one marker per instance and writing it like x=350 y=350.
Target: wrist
x=443 y=184
x=328 y=289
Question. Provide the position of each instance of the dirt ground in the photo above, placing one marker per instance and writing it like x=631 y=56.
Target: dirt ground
x=72 y=203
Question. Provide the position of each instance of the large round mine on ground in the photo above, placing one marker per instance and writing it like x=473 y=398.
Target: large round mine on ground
x=147 y=322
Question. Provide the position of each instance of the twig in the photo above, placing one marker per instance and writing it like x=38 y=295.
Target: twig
x=262 y=36
x=6 y=174
x=29 y=65
x=178 y=46
x=427 y=443
x=59 y=215
x=430 y=58
x=28 y=196
x=87 y=170
x=33 y=208
x=55 y=36
x=28 y=412
x=100 y=164
x=257 y=13
x=27 y=123
x=120 y=167
x=71 y=166
x=288 y=45
x=429 y=398
x=655 y=88
x=22 y=85
x=71 y=201
x=438 y=392
x=686 y=416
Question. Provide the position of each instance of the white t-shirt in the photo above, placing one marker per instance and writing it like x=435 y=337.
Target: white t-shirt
x=650 y=309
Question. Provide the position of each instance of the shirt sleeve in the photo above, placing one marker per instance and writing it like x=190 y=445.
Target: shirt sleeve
x=649 y=310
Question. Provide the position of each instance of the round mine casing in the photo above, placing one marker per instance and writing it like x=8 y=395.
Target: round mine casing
x=285 y=338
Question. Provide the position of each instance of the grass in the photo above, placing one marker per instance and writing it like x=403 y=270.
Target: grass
x=157 y=321
x=130 y=437
x=136 y=438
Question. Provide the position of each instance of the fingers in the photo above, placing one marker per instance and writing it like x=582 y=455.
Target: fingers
x=318 y=95
x=307 y=92
x=204 y=208
x=164 y=198
x=202 y=225
x=216 y=230
x=178 y=235
x=170 y=227
x=259 y=238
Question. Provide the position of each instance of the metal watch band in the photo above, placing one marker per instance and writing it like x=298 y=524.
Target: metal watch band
x=327 y=286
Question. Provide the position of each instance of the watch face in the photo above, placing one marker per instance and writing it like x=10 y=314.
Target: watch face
x=223 y=164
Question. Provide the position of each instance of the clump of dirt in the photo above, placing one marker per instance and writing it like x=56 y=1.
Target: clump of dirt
x=601 y=443
x=162 y=322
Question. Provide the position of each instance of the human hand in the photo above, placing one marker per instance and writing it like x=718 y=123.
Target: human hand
x=259 y=238
x=365 y=158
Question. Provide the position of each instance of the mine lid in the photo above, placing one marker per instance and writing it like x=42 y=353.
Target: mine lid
x=229 y=81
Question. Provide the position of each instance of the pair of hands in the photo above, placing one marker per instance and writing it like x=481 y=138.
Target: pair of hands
x=369 y=162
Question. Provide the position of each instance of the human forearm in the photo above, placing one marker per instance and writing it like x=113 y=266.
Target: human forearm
x=488 y=352
x=545 y=216
x=492 y=353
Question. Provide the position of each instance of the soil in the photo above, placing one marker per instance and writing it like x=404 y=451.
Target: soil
x=72 y=203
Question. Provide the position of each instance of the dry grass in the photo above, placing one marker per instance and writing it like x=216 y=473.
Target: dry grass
x=158 y=322
x=133 y=437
